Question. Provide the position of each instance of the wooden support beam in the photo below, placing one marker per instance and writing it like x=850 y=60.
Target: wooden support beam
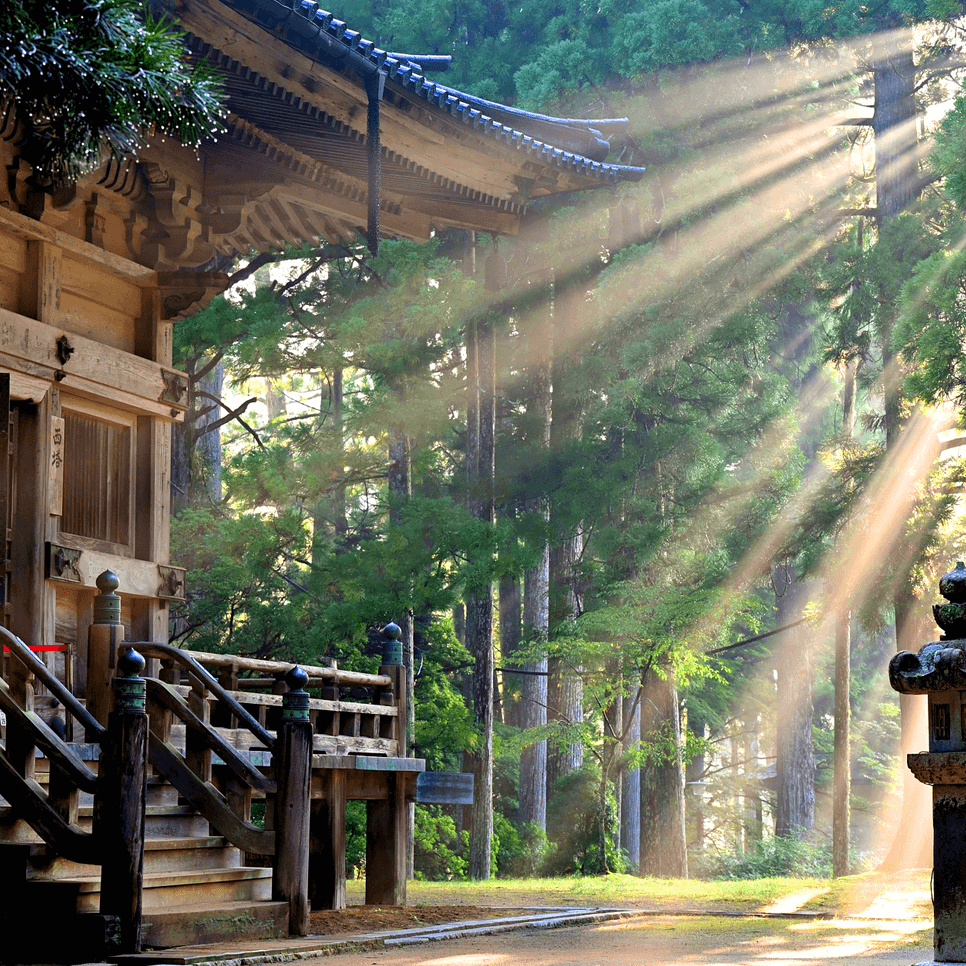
x=139 y=578
x=327 y=844
x=386 y=847
x=90 y=368
x=119 y=804
x=293 y=776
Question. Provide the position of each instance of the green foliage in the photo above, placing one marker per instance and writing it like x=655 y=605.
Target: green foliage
x=440 y=851
x=777 y=856
x=355 y=839
x=92 y=74
x=521 y=849
x=574 y=827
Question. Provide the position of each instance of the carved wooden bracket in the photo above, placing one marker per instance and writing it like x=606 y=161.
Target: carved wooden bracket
x=62 y=563
x=184 y=293
x=172 y=583
x=181 y=233
x=175 y=391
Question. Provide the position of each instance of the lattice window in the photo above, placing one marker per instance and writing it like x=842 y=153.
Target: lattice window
x=98 y=479
x=940 y=722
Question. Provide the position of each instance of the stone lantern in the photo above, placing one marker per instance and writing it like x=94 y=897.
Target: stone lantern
x=939 y=671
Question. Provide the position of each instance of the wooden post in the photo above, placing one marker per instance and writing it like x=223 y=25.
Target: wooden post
x=105 y=634
x=387 y=820
x=327 y=844
x=386 y=851
x=30 y=616
x=119 y=803
x=293 y=774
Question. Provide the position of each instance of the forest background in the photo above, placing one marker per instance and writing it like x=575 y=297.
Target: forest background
x=583 y=467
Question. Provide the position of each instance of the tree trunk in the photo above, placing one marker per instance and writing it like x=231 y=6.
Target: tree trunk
x=842 y=777
x=536 y=590
x=566 y=691
x=332 y=426
x=694 y=773
x=630 y=834
x=507 y=709
x=479 y=616
x=795 y=807
x=400 y=490
x=842 y=752
x=894 y=124
x=195 y=448
x=566 y=696
x=663 y=843
x=533 y=693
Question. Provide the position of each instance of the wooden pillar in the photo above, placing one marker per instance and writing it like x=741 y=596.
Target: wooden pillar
x=387 y=820
x=293 y=774
x=327 y=844
x=105 y=635
x=386 y=852
x=31 y=615
x=119 y=803
x=153 y=340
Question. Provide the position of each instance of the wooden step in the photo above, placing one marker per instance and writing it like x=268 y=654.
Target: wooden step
x=162 y=891
x=192 y=924
x=160 y=821
x=160 y=855
x=210 y=922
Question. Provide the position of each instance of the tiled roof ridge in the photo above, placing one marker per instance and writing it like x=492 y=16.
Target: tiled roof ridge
x=471 y=110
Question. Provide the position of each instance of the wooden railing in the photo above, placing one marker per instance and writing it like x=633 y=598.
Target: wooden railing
x=246 y=710
x=220 y=739
x=116 y=840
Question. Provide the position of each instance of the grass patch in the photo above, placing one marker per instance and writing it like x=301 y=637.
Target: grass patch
x=746 y=894
x=852 y=895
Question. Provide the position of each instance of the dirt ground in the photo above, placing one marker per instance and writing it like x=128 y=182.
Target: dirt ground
x=662 y=941
x=878 y=920
x=357 y=919
x=673 y=941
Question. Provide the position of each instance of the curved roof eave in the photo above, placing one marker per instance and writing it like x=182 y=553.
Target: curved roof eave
x=317 y=33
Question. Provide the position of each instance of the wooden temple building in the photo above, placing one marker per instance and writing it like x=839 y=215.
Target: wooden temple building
x=326 y=137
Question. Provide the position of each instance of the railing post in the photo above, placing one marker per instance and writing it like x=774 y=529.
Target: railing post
x=387 y=820
x=293 y=776
x=105 y=634
x=119 y=803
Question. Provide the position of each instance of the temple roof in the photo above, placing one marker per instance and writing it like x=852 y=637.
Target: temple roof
x=565 y=142
x=302 y=91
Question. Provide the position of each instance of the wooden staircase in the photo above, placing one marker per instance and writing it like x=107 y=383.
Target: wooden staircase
x=196 y=886
x=75 y=851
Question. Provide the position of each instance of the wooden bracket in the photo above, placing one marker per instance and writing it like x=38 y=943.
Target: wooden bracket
x=62 y=563
x=175 y=390
x=184 y=293
x=171 y=583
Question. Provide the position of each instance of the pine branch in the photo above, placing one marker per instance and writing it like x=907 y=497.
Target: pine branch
x=232 y=414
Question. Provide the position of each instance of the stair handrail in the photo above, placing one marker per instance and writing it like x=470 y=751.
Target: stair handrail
x=30 y=802
x=317 y=674
x=57 y=749
x=92 y=727
x=169 y=698
x=207 y=800
x=155 y=649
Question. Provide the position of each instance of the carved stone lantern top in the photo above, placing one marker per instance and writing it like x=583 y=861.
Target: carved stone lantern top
x=939 y=665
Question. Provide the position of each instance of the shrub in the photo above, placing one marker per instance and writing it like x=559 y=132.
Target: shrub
x=440 y=852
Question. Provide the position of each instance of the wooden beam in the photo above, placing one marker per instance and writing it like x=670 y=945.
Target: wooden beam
x=138 y=578
x=386 y=851
x=327 y=844
x=91 y=369
x=20 y=226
